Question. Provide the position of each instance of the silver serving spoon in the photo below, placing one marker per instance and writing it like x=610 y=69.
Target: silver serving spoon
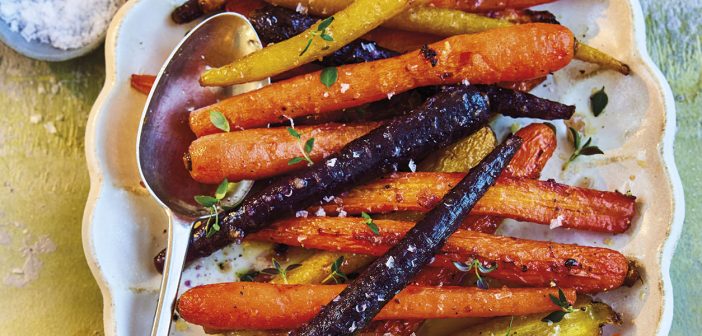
x=164 y=136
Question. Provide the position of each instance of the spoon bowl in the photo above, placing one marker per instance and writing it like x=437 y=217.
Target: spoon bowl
x=164 y=136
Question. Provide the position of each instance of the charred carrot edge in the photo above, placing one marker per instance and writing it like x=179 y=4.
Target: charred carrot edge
x=250 y=305
x=541 y=202
x=261 y=153
x=477 y=6
x=534 y=51
x=525 y=262
x=142 y=83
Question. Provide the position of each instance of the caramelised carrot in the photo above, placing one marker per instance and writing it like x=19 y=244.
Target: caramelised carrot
x=484 y=5
x=541 y=202
x=250 y=305
x=525 y=262
x=142 y=83
x=265 y=152
x=539 y=144
x=511 y=54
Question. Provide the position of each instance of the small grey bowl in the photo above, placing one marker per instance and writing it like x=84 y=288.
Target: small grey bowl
x=43 y=51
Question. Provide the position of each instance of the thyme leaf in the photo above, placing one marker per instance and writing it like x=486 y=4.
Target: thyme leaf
x=370 y=223
x=479 y=268
x=336 y=274
x=305 y=148
x=321 y=32
x=580 y=150
x=329 y=76
x=219 y=120
x=598 y=102
x=562 y=302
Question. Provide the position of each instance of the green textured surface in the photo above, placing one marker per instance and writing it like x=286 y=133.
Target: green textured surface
x=45 y=182
x=675 y=44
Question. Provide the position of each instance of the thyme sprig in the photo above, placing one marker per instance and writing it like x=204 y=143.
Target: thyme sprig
x=560 y=301
x=370 y=223
x=305 y=148
x=277 y=269
x=509 y=329
x=336 y=274
x=321 y=32
x=580 y=148
x=479 y=268
x=214 y=204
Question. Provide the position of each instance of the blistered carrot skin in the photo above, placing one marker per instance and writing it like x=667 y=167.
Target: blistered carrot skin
x=484 y=5
x=142 y=83
x=262 y=306
x=511 y=54
x=542 y=202
x=519 y=261
x=262 y=153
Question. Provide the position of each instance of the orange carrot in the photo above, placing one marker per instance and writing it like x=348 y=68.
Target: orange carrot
x=525 y=262
x=261 y=153
x=485 y=5
x=142 y=83
x=538 y=146
x=542 y=202
x=251 y=305
x=507 y=54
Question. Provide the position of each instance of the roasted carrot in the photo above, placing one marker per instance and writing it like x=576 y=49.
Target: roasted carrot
x=265 y=152
x=324 y=38
x=521 y=261
x=484 y=5
x=250 y=305
x=542 y=202
x=523 y=16
x=443 y=119
x=448 y=22
x=510 y=54
x=539 y=144
x=142 y=83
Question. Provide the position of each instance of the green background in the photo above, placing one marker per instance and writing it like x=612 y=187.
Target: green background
x=44 y=183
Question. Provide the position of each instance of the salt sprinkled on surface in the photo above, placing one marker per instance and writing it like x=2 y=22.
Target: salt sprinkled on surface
x=65 y=24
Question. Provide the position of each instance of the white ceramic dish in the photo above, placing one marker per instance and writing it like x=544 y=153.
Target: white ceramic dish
x=123 y=227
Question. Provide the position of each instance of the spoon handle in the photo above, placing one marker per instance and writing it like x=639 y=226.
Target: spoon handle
x=178 y=239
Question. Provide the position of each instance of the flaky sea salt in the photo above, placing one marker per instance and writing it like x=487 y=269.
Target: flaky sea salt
x=65 y=24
